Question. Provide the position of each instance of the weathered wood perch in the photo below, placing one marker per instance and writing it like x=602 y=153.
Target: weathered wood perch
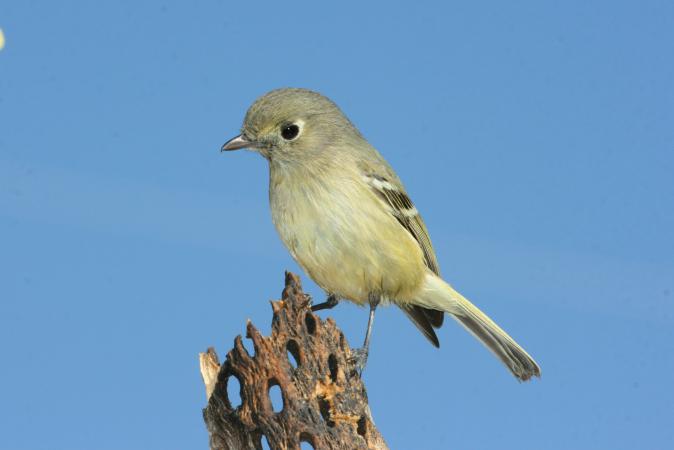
x=324 y=399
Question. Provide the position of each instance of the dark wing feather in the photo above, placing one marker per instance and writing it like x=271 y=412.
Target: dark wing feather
x=404 y=211
x=419 y=317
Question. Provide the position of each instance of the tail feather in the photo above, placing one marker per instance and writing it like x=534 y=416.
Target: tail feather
x=441 y=296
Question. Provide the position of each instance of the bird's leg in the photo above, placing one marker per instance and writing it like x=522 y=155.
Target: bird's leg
x=359 y=356
x=330 y=303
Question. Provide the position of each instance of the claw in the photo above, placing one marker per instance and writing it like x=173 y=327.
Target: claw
x=359 y=359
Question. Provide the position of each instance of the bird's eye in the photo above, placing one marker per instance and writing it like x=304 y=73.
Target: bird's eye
x=290 y=132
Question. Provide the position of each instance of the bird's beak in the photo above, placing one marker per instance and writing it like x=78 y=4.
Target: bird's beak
x=236 y=143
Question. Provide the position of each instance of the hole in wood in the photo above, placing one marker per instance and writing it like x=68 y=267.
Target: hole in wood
x=275 y=396
x=310 y=322
x=362 y=426
x=234 y=391
x=332 y=364
x=307 y=441
x=264 y=443
x=293 y=353
x=324 y=408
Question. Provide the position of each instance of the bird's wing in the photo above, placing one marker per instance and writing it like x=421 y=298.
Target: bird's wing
x=401 y=207
x=389 y=189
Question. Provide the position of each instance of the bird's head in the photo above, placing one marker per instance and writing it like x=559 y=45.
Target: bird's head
x=292 y=124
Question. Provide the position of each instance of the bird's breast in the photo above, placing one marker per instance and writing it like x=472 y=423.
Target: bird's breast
x=344 y=239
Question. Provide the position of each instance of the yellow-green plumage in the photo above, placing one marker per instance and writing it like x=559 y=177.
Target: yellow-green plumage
x=345 y=217
x=336 y=243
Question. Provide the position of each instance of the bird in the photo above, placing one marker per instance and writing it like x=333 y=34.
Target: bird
x=347 y=220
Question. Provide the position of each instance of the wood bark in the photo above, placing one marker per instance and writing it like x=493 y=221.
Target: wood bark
x=324 y=399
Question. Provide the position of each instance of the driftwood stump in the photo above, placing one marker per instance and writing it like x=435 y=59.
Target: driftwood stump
x=324 y=399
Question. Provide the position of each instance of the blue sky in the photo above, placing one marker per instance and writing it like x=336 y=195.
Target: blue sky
x=535 y=137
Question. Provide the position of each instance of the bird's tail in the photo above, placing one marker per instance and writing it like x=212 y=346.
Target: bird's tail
x=439 y=295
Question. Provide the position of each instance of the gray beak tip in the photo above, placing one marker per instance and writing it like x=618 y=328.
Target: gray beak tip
x=235 y=143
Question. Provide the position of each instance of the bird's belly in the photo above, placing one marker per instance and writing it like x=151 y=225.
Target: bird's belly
x=349 y=248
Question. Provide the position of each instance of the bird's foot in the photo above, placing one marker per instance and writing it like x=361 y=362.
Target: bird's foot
x=359 y=359
x=330 y=303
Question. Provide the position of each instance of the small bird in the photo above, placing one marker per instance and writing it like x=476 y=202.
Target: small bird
x=346 y=219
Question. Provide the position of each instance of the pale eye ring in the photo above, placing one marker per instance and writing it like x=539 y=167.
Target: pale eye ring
x=290 y=131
